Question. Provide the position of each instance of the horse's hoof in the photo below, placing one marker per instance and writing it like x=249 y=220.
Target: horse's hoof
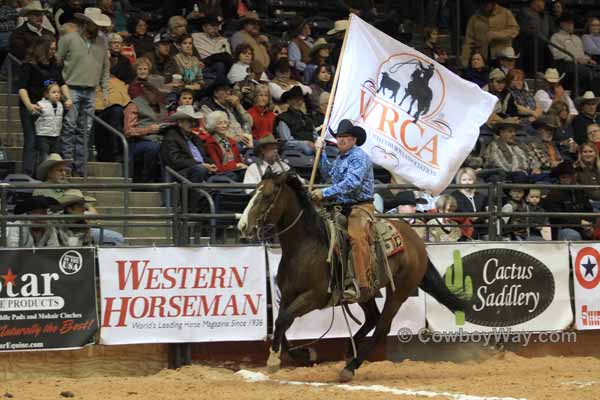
x=346 y=375
x=312 y=356
x=272 y=368
x=274 y=362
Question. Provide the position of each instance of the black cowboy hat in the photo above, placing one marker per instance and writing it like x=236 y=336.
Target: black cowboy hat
x=210 y=19
x=36 y=203
x=296 y=26
x=406 y=198
x=250 y=16
x=564 y=168
x=293 y=93
x=217 y=83
x=347 y=127
x=547 y=121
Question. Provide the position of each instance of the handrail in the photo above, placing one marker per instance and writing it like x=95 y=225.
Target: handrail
x=536 y=61
x=126 y=172
x=11 y=59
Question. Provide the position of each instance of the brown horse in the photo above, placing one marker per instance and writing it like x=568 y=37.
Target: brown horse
x=303 y=277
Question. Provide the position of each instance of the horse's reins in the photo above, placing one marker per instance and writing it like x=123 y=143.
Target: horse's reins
x=262 y=219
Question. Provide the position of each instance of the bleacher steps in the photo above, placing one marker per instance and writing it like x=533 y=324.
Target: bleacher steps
x=136 y=199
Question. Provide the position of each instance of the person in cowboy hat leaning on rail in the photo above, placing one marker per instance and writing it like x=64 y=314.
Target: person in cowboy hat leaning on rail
x=352 y=180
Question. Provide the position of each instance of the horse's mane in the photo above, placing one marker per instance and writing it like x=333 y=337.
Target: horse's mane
x=311 y=218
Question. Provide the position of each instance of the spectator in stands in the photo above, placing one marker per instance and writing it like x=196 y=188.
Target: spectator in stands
x=221 y=99
x=294 y=126
x=318 y=115
x=591 y=41
x=245 y=89
x=262 y=113
x=24 y=236
x=568 y=201
x=219 y=146
x=535 y=225
x=593 y=135
x=120 y=67
x=40 y=66
x=507 y=59
x=283 y=81
x=267 y=156
x=74 y=202
x=558 y=8
x=48 y=124
x=520 y=101
x=24 y=36
x=213 y=48
x=587 y=171
x=443 y=229
x=321 y=83
x=587 y=105
x=431 y=49
x=142 y=42
x=116 y=15
x=566 y=39
x=564 y=134
x=177 y=29
x=277 y=52
x=469 y=199
x=335 y=36
x=85 y=58
x=187 y=65
x=8 y=23
x=534 y=21
x=553 y=91
x=497 y=87
x=514 y=227
x=543 y=149
x=489 y=30
x=52 y=170
x=243 y=57
x=477 y=71
x=143 y=119
x=160 y=58
x=319 y=55
x=142 y=68
x=250 y=33
x=300 y=45
x=46 y=24
x=403 y=202
x=64 y=12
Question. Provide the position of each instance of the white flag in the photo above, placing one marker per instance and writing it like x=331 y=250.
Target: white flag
x=421 y=119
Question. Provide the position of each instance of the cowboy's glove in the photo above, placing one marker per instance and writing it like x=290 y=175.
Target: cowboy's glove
x=317 y=195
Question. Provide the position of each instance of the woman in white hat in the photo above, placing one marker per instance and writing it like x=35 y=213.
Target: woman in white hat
x=553 y=91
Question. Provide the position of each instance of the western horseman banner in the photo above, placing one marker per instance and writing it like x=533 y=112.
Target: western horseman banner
x=314 y=324
x=586 y=276
x=518 y=286
x=153 y=295
x=421 y=119
x=47 y=298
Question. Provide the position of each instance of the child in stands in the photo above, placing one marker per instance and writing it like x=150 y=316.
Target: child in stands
x=48 y=125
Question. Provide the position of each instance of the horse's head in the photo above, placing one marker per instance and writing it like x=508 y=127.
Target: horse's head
x=266 y=206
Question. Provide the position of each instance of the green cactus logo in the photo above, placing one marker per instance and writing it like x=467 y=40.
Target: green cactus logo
x=459 y=284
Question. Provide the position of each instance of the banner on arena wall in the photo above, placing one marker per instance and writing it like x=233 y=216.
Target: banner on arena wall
x=421 y=119
x=47 y=298
x=521 y=286
x=586 y=276
x=314 y=324
x=166 y=295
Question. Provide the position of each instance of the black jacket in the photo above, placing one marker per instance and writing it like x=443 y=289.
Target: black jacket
x=464 y=205
x=301 y=125
x=123 y=69
x=22 y=38
x=576 y=201
x=175 y=152
x=580 y=124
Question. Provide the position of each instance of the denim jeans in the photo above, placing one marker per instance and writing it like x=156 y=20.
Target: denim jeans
x=108 y=145
x=77 y=126
x=28 y=140
x=569 y=234
x=45 y=145
x=109 y=237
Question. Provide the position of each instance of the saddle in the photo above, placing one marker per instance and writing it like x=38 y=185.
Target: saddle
x=384 y=242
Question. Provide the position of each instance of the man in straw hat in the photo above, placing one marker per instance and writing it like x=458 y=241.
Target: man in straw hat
x=267 y=156
x=553 y=91
x=85 y=58
x=22 y=234
x=23 y=37
x=507 y=59
x=74 y=202
x=587 y=106
x=250 y=33
x=52 y=170
x=352 y=185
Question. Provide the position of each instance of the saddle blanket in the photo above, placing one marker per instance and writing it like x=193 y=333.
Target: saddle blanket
x=389 y=235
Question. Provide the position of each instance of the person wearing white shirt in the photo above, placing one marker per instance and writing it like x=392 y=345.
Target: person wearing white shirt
x=266 y=150
x=553 y=91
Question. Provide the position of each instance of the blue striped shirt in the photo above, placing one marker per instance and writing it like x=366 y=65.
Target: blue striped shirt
x=351 y=175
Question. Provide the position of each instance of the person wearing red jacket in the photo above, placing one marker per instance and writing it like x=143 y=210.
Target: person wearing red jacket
x=220 y=146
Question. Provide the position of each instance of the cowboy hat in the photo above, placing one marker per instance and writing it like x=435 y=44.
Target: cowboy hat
x=35 y=203
x=293 y=93
x=497 y=75
x=49 y=163
x=216 y=84
x=587 y=97
x=210 y=19
x=548 y=121
x=296 y=26
x=33 y=7
x=263 y=141
x=321 y=43
x=74 y=196
x=551 y=75
x=566 y=17
x=95 y=16
x=339 y=26
x=564 y=168
x=506 y=123
x=406 y=198
x=185 y=112
x=250 y=16
x=346 y=127
x=507 y=52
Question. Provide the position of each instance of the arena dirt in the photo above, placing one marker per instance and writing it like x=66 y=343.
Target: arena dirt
x=504 y=375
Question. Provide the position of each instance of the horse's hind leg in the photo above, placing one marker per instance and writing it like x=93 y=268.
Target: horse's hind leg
x=372 y=314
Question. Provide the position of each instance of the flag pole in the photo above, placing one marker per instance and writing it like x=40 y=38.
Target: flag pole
x=329 y=107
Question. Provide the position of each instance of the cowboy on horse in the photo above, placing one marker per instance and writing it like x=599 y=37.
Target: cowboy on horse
x=352 y=180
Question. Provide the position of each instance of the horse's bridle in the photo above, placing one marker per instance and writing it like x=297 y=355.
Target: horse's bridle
x=261 y=227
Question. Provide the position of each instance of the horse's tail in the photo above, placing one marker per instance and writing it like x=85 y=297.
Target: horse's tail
x=434 y=284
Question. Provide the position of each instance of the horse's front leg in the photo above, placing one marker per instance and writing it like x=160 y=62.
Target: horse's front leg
x=304 y=303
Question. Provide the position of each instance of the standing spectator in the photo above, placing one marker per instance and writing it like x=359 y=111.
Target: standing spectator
x=294 y=126
x=321 y=83
x=534 y=21
x=161 y=58
x=430 y=48
x=48 y=125
x=335 y=36
x=186 y=64
x=299 y=47
x=46 y=24
x=587 y=171
x=250 y=33
x=564 y=134
x=553 y=91
x=213 y=48
x=507 y=59
x=120 y=66
x=262 y=113
x=267 y=156
x=469 y=199
x=85 y=58
x=138 y=37
x=319 y=55
x=64 y=12
x=26 y=236
x=591 y=41
x=587 y=105
x=476 y=72
x=142 y=68
x=283 y=81
x=40 y=66
x=220 y=147
x=490 y=30
x=8 y=23
x=521 y=102
x=23 y=37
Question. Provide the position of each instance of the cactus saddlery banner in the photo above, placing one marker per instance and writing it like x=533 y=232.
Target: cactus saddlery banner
x=512 y=285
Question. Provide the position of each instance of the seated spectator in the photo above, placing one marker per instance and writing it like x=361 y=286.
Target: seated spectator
x=443 y=229
x=587 y=105
x=250 y=33
x=24 y=36
x=587 y=171
x=26 y=236
x=177 y=29
x=469 y=199
x=64 y=12
x=567 y=39
x=267 y=156
x=262 y=113
x=431 y=48
x=543 y=149
x=514 y=227
x=564 y=133
x=187 y=65
x=283 y=81
x=213 y=48
x=403 y=202
x=142 y=42
x=318 y=115
x=294 y=126
x=143 y=119
x=120 y=66
x=246 y=88
x=591 y=41
x=73 y=202
x=243 y=57
x=568 y=201
x=476 y=72
x=142 y=68
x=108 y=145
x=277 y=52
x=507 y=59
x=221 y=99
x=553 y=91
x=321 y=83
x=490 y=30
x=521 y=102
x=160 y=58
x=593 y=135
x=497 y=87
x=319 y=55
x=300 y=44
x=219 y=146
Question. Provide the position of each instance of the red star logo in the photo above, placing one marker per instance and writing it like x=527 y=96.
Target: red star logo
x=9 y=277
